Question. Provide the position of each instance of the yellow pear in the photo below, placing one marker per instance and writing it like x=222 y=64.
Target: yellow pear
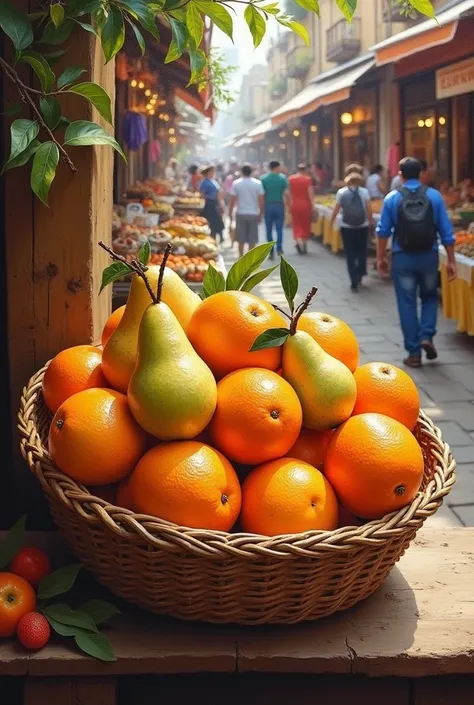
x=325 y=386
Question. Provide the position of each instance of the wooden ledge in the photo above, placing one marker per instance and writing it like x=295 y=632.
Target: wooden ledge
x=419 y=623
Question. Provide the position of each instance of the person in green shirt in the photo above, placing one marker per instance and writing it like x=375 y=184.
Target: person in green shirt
x=275 y=185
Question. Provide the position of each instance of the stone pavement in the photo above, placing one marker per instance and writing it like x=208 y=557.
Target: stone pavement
x=446 y=385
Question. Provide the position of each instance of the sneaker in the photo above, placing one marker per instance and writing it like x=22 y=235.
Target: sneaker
x=429 y=349
x=280 y=252
x=298 y=249
x=412 y=361
x=354 y=289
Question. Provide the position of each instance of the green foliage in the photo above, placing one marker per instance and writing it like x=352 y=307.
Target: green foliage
x=36 y=36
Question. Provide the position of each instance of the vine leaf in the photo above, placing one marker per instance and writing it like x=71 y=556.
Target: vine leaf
x=22 y=133
x=347 y=7
x=43 y=170
x=257 y=278
x=41 y=68
x=247 y=265
x=289 y=283
x=50 y=110
x=272 y=338
x=69 y=75
x=197 y=61
x=424 y=7
x=112 y=36
x=56 y=12
x=82 y=133
x=194 y=23
x=143 y=12
x=310 y=5
x=219 y=15
x=57 y=35
x=213 y=282
x=256 y=24
x=144 y=253
x=116 y=270
x=179 y=37
x=96 y=95
x=16 y=26
x=23 y=157
x=138 y=36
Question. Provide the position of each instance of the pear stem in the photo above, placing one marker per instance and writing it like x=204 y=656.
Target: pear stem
x=134 y=265
x=280 y=310
x=301 y=309
x=162 y=272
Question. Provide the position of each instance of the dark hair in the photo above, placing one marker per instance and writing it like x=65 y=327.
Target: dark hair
x=318 y=165
x=274 y=164
x=246 y=170
x=409 y=168
x=193 y=169
x=377 y=169
x=423 y=164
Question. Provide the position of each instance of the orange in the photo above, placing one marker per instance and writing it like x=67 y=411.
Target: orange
x=112 y=323
x=333 y=335
x=224 y=327
x=311 y=447
x=94 y=438
x=374 y=464
x=385 y=389
x=287 y=496
x=258 y=416
x=71 y=371
x=17 y=598
x=188 y=483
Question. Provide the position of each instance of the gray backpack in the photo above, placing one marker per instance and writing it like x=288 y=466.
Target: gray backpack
x=354 y=213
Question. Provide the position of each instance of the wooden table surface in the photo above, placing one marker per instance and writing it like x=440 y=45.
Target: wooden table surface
x=420 y=623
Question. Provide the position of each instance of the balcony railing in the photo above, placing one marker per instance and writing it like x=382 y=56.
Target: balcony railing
x=392 y=12
x=298 y=62
x=343 y=41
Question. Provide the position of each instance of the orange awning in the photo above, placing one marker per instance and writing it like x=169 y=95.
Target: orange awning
x=425 y=35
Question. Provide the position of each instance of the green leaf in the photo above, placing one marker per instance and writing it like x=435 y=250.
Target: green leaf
x=43 y=170
x=179 y=38
x=424 y=7
x=69 y=75
x=213 y=282
x=56 y=13
x=310 y=5
x=72 y=618
x=114 y=271
x=272 y=9
x=257 y=278
x=347 y=7
x=113 y=33
x=197 y=62
x=50 y=110
x=273 y=338
x=95 y=645
x=99 y=610
x=138 y=36
x=16 y=25
x=256 y=24
x=96 y=95
x=22 y=133
x=83 y=133
x=300 y=30
x=77 y=8
x=289 y=282
x=144 y=13
x=88 y=27
x=144 y=253
x=194 y=23
x=247 y=265
x=63 y=121
x=23 y=157
x=218 y=14
x=13 y=109
x=57 y=35
x=12 y=543
x=61 y=629
x=58 y=582
x=41 y=68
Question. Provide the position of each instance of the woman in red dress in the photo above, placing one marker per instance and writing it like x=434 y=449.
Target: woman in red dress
x=301 y=194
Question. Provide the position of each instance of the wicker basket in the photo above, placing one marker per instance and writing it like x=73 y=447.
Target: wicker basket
x=220 y=577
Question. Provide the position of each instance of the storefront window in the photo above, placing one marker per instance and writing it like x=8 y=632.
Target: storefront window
x=358 y=129
x=427 y=137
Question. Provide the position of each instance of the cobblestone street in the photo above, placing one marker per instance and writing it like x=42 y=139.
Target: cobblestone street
x=446 y=385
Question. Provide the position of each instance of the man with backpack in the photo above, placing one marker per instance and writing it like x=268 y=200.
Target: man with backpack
x=415 y=214
x=353 y=201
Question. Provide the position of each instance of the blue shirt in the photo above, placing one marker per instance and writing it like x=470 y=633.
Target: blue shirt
x=388 y=218
x=209 y=189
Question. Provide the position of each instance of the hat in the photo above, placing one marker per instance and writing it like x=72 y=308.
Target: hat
x=354 y=179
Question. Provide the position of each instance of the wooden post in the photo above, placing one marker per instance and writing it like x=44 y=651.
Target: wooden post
x=53 y=262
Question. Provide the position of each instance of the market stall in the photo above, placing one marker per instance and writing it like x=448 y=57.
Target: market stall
x=458 y=296
x=321 y=227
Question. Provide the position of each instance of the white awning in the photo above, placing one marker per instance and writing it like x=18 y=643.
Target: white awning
x=424 y=35
x=242 y=142
x=260 y=130
x=332 y=87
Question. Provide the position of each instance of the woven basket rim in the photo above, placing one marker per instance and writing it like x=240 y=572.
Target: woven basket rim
x=161 y=533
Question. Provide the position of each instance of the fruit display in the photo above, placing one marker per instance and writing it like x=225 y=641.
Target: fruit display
x=465 y=244
x=328 y=200
x=226 y=412
x=190 y=200
x=191 y=269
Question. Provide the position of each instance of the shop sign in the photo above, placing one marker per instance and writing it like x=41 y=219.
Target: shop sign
x=455 y=79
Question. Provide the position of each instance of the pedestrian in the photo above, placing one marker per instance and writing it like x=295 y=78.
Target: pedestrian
x=172 y=170
x=375 y=183
x=212 y=194
x=415 y=215
x=321 y=177
x=194 y=178
x=247 y=197
x=275 y=185
x=301 y=198
x=354 y=202
x=353 y=169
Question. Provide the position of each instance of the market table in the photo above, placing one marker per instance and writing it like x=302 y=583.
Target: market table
x=458 y=296
x=411 y=643
x=331 y=235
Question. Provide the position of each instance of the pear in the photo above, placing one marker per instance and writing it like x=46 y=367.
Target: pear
x=172 y=392
x=325 y=386
x=120 y=352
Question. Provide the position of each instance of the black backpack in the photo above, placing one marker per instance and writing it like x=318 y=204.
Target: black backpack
x=354 y=212
x=416 y=229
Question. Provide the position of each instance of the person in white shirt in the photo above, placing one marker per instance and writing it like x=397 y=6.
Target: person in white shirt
x=247 y=198
x=375 y=183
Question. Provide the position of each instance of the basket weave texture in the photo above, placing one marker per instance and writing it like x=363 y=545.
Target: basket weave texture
x=221 y=577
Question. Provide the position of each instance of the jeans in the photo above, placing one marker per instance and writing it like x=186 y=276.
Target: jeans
x=355 y=248
x=414 y=274
x=275 y=215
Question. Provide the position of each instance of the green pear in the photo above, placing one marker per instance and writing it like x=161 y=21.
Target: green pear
x=120 y=352
x=325 y=386
x=172 y=392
